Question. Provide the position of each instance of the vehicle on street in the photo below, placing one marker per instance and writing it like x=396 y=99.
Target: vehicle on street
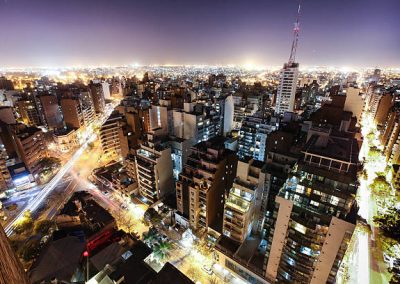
x=207 y=269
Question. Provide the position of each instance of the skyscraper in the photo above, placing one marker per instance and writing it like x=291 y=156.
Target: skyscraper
x=289 y=75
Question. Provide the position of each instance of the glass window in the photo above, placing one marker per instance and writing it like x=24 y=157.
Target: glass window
x=334 y=200
x=306 y=250
x=299 y=227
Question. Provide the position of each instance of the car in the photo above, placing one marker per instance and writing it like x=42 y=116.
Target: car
x=207 y=269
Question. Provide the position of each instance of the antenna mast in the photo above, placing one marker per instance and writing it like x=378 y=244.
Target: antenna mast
x=296 y=31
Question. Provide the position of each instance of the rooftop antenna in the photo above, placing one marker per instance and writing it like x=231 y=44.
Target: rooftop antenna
x=296 y=31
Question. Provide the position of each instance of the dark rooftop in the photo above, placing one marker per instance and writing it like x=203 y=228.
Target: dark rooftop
x=170 y=274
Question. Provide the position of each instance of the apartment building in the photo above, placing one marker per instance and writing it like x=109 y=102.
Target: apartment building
x=154 y=170
x=31 y=147
x=113 y=136
x=315 y=212
x=28 y=112
x=203 y=183
x=253 y=136
x=73 y=113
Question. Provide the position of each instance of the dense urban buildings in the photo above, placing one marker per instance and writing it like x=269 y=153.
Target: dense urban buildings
x=273 y=195
x=181 y=173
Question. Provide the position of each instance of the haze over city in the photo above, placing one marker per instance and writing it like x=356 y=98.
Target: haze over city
x=46 y=33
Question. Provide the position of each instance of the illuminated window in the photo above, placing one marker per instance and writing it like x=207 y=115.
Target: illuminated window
x=306 y=251
x=299 y=227
x=299 y=189
x=334 y=200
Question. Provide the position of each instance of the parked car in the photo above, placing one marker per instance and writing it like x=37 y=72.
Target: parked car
x=207 y=269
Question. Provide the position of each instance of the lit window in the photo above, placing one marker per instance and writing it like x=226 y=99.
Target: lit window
x=299 y=228
x=306 y=251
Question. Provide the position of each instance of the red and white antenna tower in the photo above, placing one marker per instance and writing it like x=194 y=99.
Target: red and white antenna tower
x=296 y=32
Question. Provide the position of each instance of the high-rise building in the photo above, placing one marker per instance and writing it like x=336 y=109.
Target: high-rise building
x=206 y=177
x=11 y=270
x=315 y=212
x=253 y=136
x=354 y=101
x=288 y=77
x=113 y=136
x=160 y=117
x=390 y=138
x=154 y=170
x=88 y=111
x=5 y=177
x=31 y=147
x=242 y=210
x=50 y=111
x=73 y=114
x=190 y=123
x=96 y=92
x=225 y=109
x=7 y=115
x=287 y=88
x=6 y=84
x=28 y=112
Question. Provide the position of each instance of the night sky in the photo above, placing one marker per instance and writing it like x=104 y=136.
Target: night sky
x=116 y=32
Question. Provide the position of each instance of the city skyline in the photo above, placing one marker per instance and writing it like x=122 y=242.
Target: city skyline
x=187 y=33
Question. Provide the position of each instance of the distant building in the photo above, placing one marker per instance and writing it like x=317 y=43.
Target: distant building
x=287 y=88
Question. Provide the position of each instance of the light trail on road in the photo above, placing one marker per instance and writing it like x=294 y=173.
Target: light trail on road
x=39 y=198
x=49 y=187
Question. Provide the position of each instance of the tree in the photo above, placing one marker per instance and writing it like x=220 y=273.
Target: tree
x=30 y=249
x=162 y=250
x=50 y=163
x=371 y=136
x=42 y=226
x=24 y=224
x=150 y=237
x=389 y=223
x=374 y=154
x=380 y=186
